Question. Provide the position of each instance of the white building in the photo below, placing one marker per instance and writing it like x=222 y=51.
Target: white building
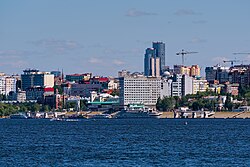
x=187 y=85
x=2 y=85
x=176 y=85
x=21 y=96
x=7 y=84
x=112 y=84
x=140 y=89
x=10 y=85
x=166 y=87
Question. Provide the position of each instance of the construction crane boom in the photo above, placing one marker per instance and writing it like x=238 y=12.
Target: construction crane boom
x=183 y=53
x=232 y=62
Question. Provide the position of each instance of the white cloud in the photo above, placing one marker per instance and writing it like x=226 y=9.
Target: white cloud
x=15 y=64
x=186 y=12
x=137 y=13
x=95 y=60
x=118 y=62
x=198 y=40
x=56 y=45
x=11 y=53
x=200 y=22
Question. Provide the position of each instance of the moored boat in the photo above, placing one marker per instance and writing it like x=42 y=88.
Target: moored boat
x=18 y=116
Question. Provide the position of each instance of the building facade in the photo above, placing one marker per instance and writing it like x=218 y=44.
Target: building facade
x=78 y=77
x=186 y=85
x=140 y=90
x=211 y=74
x=7 y=84
x=177 y=85
x=82 y=90
x=151 y=63
x=199 y=85
x=34 y=78
x=160 y=52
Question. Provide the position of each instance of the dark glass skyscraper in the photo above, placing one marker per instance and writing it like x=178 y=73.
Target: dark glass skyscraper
x=151 y=63
x=150 y=52
x=160 y=52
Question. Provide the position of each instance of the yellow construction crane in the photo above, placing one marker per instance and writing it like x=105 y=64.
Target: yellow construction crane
x=183 y=53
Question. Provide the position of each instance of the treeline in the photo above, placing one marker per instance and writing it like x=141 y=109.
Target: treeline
x=171 y=103
x=7 y=109
x=198 y=101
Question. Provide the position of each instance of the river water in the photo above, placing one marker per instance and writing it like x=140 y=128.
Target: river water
x=125 y=142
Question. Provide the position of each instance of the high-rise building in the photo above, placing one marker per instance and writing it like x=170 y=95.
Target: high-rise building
x=211 y=73
x=141 y=89
x=186 y=85
x=199 y=85
x=160 y=52
x=150 y=53
x=176 y=85
x=10 y=85
x=7 y=84
x=177 y=69
x=222 y=74
x=34 y=78
x=195 y=71
x=151 y=63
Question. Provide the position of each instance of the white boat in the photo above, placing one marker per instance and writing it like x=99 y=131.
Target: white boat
x=64 y=119
x=138 y=113
x=100 y=116
x=56 y=119
x=18 y=116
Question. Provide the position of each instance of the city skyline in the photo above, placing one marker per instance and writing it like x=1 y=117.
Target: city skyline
x=106 y=37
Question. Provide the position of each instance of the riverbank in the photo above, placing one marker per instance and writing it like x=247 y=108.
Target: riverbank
x=220 y=115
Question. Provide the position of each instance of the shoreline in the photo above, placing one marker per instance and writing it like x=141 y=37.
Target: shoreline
x=217 y=115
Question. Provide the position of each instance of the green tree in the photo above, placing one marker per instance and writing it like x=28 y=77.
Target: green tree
x=167 y=103
x=115 y=92
x=22 y=108
x=45 y=108
x=228 y=103
x=158 y=104
x=198 y=104
x=35 y=107
x=83 y=104
x=59 y=88
x=177 y=102
x=71 y=105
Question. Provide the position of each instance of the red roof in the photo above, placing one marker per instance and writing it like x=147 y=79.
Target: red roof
x=48 y=89
x=102 y=79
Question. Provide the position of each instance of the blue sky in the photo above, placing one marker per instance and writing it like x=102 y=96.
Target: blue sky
x=105 y=36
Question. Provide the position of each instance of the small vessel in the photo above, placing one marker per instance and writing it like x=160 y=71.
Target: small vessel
x=138 y=113
x=71 y=120
x=100 y=116
x=64 y=119
x=18 y=116
x=56 y=119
